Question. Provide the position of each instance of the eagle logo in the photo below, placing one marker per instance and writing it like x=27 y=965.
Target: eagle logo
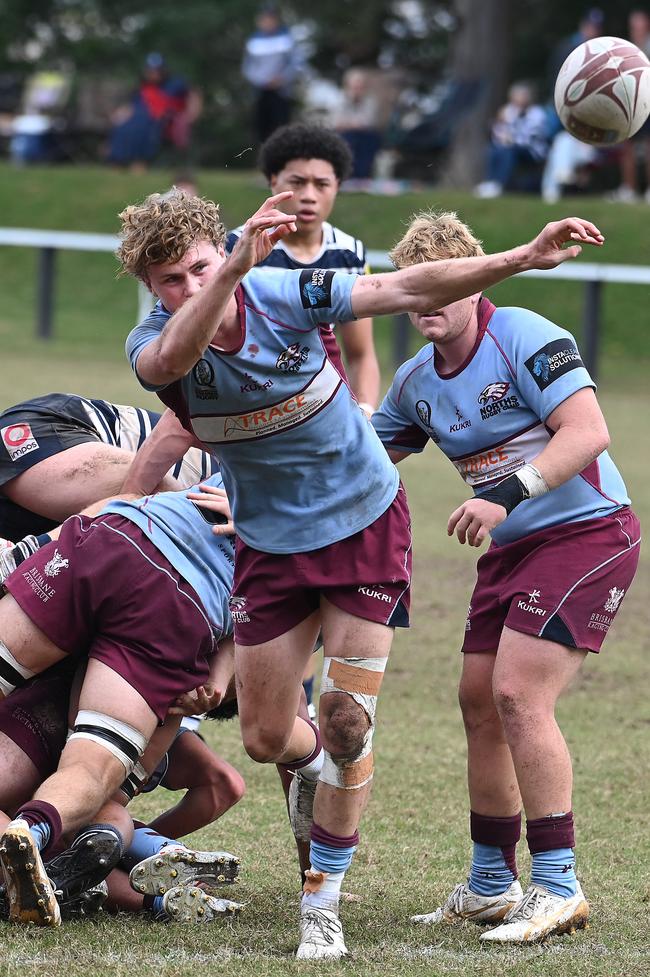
x=493 y=392
x=291 y=359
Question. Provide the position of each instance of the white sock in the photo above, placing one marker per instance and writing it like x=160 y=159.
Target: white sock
x=311 y=771
x=326 y=896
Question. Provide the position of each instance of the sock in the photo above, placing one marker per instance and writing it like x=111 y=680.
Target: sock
x=555 y=870
x=27 y=546
x=44 y=822
x=155 y=905
x=551 y=841
x=311 y=765
x=330 y=857
x=494 y=865
x=146 y=842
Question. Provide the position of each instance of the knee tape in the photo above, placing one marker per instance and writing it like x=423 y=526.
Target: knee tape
x=120 y=739
x=134 y=782
x=360 y=678
x=12 y=673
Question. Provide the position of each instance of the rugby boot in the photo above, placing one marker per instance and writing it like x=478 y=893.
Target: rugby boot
x=321 y=935
x=88 y=903
x=301 y=806
x=197 y=904
x=174 y=866
x=90 y=858
x=540 y=914
x=28 y=889
x=464 y=904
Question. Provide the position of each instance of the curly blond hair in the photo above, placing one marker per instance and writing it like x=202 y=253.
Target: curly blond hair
x=164 y=227
x=434 y=235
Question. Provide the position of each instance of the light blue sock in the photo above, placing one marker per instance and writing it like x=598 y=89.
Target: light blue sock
x=489 y=874
x=146 y=842
x=41 y=834
x=555 y=871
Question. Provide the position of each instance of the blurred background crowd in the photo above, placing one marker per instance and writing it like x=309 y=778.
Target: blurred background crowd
x=456 y=92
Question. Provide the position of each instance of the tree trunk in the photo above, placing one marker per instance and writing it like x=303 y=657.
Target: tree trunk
x=479 y=54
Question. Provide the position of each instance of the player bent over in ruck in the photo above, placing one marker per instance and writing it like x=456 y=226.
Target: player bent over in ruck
x=322 y=521
x=504 y=394
x=119 y=588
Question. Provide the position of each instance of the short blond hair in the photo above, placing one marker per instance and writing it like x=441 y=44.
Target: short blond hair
x=164 y=227
x=432 y=236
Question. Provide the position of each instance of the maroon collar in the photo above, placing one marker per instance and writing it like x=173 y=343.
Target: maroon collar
x=484 y=313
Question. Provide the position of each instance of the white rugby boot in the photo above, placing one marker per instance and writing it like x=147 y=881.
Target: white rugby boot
x=464 y=904
x=301 y=806
x=174 y=866
x=28 y=889
x=197 y=904
x=540 y=914
x=321 y=935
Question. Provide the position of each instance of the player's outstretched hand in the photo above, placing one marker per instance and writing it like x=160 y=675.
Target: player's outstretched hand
x=261 y=232
x=201 y=700
x=548 y=249
x=215 y=500
x=474 y=520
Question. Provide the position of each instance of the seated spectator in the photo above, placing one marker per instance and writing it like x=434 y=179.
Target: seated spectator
x=161 y=112
x=566 y=165
x=356 y=119
x=34 y=131
x=519 y=139
x=639 y=145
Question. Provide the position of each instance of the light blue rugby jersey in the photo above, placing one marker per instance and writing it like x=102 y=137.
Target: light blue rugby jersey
x=488 y=416
x=183 y=533
x=302 y=465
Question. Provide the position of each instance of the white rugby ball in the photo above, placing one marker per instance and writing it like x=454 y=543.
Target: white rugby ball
x=602 y=92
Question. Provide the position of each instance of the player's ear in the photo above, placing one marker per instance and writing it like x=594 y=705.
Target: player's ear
x=146 y=281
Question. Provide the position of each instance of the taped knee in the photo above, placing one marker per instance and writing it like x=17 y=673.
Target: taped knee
x=12 y=673
x=123 y=741
x=360 y=678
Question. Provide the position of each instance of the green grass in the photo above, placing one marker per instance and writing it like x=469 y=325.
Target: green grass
x=414 y=837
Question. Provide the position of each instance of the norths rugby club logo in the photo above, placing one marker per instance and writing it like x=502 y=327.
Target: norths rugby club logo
x=553 y=361
x=316 y=288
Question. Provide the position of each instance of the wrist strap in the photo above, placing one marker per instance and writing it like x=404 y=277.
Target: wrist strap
x=527 y=483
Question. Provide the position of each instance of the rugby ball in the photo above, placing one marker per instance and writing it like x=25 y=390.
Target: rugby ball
x=602 y=92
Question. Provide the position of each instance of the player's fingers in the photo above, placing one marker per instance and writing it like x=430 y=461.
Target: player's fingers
x=276 y=198
x=463 y=525
x=583 y=229
x=480 y=535
x=453 y=519
x=566 y=253
x=225 y=529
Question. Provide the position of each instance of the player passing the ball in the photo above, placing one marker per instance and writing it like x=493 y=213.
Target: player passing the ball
x=504 y=394
x=322 y=522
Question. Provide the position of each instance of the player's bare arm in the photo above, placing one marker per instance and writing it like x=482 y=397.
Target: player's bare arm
x=206 y=316
x=580 y=436
x=432 y=285
x=165 y=445
x=363 y=369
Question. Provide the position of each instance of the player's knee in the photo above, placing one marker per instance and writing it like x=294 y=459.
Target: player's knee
x=264 y=745
x=477 y=706
x=227 y=788
x=344 y=725
x=515 y=705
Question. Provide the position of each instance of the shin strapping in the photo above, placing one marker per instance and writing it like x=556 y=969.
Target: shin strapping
x=12 y=673
x=360 y=678
x=123 y=741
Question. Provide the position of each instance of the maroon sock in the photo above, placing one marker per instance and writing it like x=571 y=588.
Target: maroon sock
x=554 y=831
x=503 y=833
x=335 y=841
x=39 y=812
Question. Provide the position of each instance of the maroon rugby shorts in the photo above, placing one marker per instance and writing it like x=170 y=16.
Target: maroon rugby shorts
x=564 y=584
x=367 y=574
x=104 y=590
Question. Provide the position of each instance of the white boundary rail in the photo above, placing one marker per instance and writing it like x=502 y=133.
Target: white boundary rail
x=594 y=275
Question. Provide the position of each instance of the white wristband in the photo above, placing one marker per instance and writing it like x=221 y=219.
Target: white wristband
x=533 y=482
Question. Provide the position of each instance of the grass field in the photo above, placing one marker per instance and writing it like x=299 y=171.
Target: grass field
x=414 y=837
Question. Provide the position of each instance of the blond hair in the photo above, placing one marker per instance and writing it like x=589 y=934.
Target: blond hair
x=164 y=227
x=432 y=236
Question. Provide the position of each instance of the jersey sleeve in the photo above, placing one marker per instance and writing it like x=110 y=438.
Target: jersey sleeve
x=546 y=361
x=140 y=337
x=313 y=295
x=395 y=428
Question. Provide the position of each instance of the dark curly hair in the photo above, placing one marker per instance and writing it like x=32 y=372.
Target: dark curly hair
x=303 y=141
